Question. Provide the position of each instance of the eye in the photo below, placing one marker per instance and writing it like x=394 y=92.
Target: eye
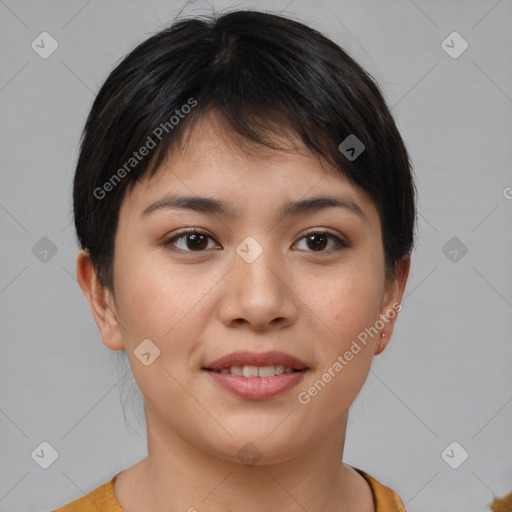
x=194 y=240
x=197 y=241
x=318 y=240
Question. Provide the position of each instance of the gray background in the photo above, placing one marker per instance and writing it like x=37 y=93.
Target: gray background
x=445 y=375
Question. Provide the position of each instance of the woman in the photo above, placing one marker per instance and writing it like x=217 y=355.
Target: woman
x=245 y=207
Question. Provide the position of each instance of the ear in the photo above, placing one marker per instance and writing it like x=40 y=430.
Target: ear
x=390 y=306
x=100 y=301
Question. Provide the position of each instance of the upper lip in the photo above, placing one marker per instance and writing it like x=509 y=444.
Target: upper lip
x=256 y=359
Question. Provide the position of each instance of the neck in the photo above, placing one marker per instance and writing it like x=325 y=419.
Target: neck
x=193 y=479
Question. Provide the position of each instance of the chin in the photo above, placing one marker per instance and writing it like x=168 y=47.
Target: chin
x=259 y=447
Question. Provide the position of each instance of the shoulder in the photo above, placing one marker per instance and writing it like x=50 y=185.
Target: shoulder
x=385 y=498
x=102 y=498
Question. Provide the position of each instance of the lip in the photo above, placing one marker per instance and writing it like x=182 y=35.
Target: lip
x=247 y=358
x=257 y=388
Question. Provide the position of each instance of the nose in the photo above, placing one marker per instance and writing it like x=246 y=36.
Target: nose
x=259 y=294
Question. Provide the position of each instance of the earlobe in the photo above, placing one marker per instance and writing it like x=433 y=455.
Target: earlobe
x=381 y=345
x=100 y=302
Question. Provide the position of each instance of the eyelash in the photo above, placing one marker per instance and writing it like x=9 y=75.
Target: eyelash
x=340 y=243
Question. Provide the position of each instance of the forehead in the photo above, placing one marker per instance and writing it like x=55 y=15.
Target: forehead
x=212 y=159
x=213 y=135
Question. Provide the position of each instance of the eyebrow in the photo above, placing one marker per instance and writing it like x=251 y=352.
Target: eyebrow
x=216 y=206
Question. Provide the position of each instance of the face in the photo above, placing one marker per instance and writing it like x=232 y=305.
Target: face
x=306 y=285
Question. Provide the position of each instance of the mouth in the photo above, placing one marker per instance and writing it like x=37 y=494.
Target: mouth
x=257 y=375
x=274 y=361
x=257 y=371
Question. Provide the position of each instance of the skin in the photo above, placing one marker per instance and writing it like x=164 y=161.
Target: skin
x=198 y=306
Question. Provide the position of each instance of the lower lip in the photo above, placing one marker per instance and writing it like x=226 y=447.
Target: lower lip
x=257 y=388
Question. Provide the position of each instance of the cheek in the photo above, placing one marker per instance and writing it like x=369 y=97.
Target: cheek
x=169 y=305
x=346 y=305
x=160 y=304
x=346 y=299
x=157 y=301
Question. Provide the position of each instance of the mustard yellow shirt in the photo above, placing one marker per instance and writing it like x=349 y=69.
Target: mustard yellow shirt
x=103 y=499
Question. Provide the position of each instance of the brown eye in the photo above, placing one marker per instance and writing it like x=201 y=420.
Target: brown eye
x=319 y=240
x=194 y=241
x=197 y=241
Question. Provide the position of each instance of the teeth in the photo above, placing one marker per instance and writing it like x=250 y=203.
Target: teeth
x=265 y=371
x=250 y=371
x=257 y=371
